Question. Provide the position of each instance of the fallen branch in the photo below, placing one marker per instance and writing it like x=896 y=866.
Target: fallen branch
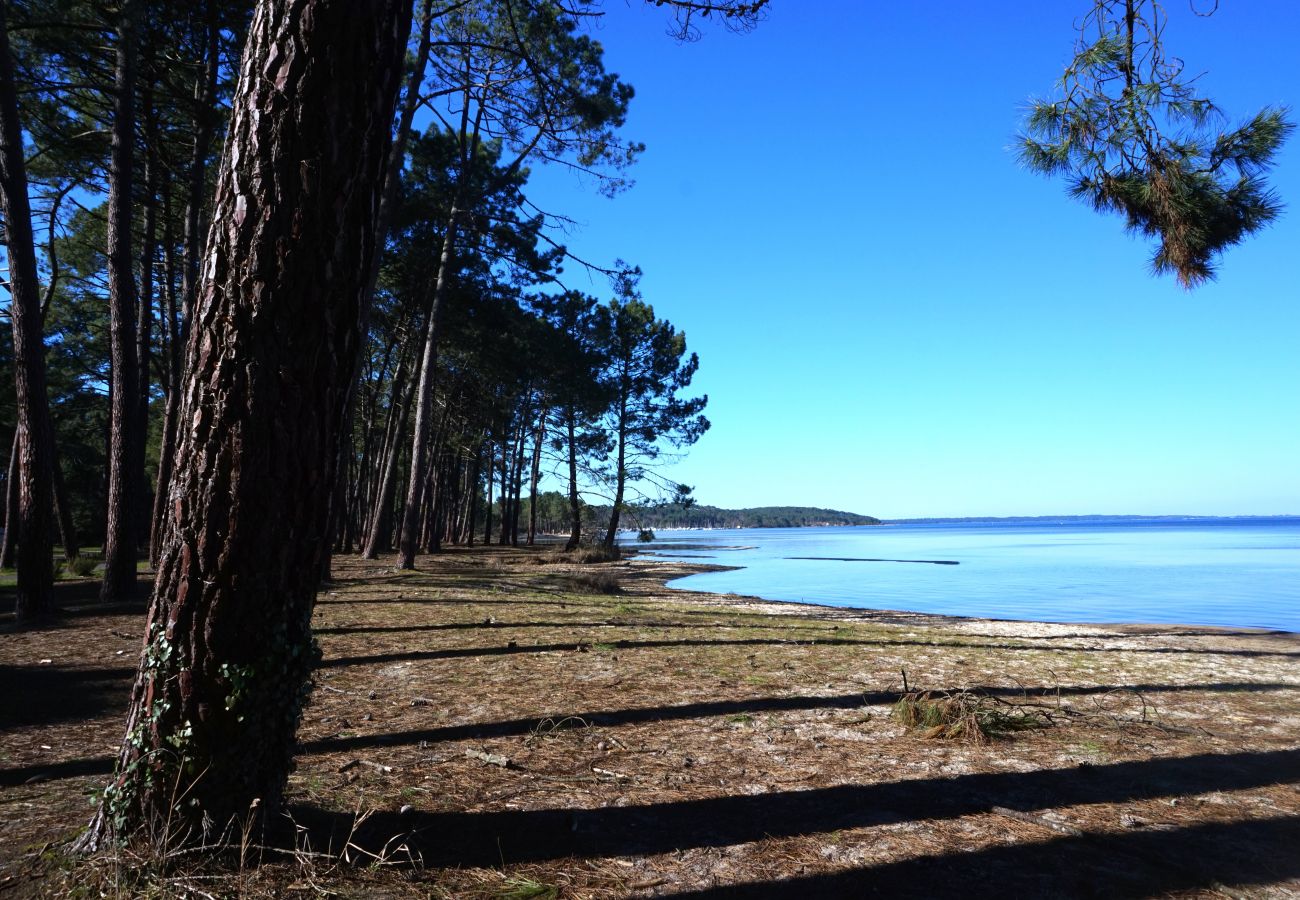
x=1032 y=819
x=492 y=759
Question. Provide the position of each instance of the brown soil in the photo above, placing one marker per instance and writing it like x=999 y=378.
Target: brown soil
x=489 y=727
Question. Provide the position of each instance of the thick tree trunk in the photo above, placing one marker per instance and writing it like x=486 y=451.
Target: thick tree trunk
x=271 y=348
x=119 y=535
x=35 y=441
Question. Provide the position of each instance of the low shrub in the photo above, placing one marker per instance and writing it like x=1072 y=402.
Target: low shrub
x=964 y=715
x=594 y=583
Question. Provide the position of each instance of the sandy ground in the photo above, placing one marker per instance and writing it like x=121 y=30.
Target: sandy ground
x=494 y=726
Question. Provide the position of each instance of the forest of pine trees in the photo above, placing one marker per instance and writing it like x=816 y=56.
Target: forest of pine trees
x=479 y=372
x=279 y=291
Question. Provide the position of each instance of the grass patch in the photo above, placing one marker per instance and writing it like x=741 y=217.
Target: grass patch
x=528 y=889
x=594 y=583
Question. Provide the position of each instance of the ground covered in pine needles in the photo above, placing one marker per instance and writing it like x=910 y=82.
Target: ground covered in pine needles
x=509 y=723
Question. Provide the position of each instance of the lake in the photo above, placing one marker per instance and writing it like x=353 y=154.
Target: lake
x=1228 y=572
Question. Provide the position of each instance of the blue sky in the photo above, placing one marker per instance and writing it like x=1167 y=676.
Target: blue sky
x=893 y=318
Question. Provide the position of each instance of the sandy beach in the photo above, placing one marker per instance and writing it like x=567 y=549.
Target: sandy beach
x=505 y=723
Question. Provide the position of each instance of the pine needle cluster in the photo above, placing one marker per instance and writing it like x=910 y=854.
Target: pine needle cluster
x=1132 y=135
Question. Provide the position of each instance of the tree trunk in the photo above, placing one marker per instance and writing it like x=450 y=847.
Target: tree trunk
x=534 y=474
x=423 y=408
x=272 y=346
x=575 y=504
x=63 y=513
x=35 y=441
x=472 y=496
x=397 y=156
x=11 y=507
x=487 y=513
x=205 y=91
x=505 y=489
x=517 y=477
x=144 y=313
x=119 y=536
x=621 y=475
x=377 y=540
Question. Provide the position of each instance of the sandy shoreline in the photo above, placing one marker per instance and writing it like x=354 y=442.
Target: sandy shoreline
x=661 y=742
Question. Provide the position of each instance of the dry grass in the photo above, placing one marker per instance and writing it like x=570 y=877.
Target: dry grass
x=482 y=729
x=970 y=716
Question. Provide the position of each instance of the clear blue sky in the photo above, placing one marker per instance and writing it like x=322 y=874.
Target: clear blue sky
x=893 y=319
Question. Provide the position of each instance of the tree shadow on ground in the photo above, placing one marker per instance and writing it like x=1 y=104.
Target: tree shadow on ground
x=514 y=837
x=752 y=706
x=457 y=626
x=43 y=695
x=1111 y=865
x=448 y=601
x=79 y=597
x=500 y=650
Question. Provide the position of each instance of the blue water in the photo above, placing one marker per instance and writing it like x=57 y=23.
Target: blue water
x=1228 y=572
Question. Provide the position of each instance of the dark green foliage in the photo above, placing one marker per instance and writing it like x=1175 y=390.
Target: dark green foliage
x=671 y=515
x=1132 y=135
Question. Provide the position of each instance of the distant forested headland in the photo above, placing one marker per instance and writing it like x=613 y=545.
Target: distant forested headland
x=696 y=516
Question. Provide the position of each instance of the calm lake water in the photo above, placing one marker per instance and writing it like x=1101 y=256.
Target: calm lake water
x=1230 y=572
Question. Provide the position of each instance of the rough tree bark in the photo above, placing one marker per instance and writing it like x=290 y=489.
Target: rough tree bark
x=35 y=442
x=271 y=346
x=119 y=537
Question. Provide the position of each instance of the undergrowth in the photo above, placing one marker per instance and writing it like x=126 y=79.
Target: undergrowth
x=968 y=716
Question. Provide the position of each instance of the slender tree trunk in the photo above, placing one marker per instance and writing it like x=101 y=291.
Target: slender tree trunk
x=534 y=474
x=144 y=314
x=62 y=511
x=409 y=540
x=575 y=503
x=621 y=475
x=35 y=439
x=397 y=156
x=517 y=478
x=204 y=125
x=472 y=498
x=272 y=346
x=487 y=512
x=119 y=536
x=11 y=507
x=377 y=540
x=505 y=489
